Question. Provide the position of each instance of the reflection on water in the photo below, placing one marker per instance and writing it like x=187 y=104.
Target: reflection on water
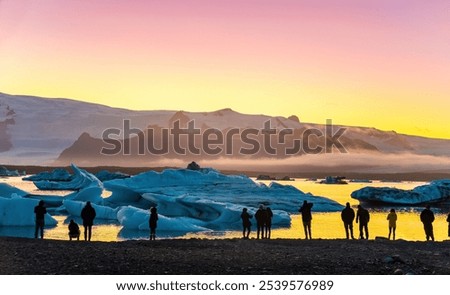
x=330 y=226
x=324 y=225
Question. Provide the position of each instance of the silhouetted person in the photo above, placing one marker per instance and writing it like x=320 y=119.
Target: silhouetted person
x=363 y=216
x=246 y=223
x=448 y=220
x=152 y=222
x=347 y=216
x=305 y=209
x=88 y=215
x=74 y=230
x=268 y=225
x=392 y=217
x=427 y=218
x=261 y=217
x=39 y=212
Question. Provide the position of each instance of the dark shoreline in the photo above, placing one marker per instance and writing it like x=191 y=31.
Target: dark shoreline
x=19 y=256
x=312 y=172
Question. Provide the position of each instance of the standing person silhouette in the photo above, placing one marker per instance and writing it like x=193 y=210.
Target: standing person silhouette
x=363 y=216
x=427 y=218
x=392 y=217
x=39 y=212
x=246 y=224
x=305 y=209
x=152 y=222
x=448 y=220
x=347 y=216
x=261 y=217
x=268 y=225
x=88 y=215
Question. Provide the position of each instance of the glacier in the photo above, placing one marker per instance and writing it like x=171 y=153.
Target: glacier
x=434 y=192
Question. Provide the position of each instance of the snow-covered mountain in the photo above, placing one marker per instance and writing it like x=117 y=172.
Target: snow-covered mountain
x=43 y=131
x=36 y=130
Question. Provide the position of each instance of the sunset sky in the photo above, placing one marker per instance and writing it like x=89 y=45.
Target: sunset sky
x=377 y=63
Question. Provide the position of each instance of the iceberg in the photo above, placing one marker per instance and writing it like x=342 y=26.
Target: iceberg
x=57 y=174
x=434 y=192
x=92 y=193
x=209 y=184
x=80 y=179
x=7 y=190
x=105 y=175
x=5 y=172
x=18 y=211
x=187 y=200
x=204 y=199
x=102 y=212
x=135 y=218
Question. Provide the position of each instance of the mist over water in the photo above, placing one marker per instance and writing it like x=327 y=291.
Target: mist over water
x=346 y=162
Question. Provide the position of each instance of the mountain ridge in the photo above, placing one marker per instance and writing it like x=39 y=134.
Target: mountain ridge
x=43 y=131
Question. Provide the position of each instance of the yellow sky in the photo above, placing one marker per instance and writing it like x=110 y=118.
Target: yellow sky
x=376 y=65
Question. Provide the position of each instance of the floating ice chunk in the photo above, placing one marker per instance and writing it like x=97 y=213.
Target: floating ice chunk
x=56 y=175
x=7 y=190
x=5 y=172
x=105 y=175
x=91 y=193
x=135 y=218
x=102 y=212
x=80 y=179
x=436 y=191
x=178 y=177
x=210 y=184
x=18 y=211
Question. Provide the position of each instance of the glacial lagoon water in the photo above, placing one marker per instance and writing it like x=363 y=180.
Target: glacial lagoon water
x=326 y=225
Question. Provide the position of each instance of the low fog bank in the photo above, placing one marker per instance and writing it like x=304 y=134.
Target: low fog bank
x=351 y=162
x=364 y=165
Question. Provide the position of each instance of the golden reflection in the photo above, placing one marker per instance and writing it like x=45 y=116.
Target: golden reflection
x=326 y=225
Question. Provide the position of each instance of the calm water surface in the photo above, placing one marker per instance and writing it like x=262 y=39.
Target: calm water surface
x=324 y=225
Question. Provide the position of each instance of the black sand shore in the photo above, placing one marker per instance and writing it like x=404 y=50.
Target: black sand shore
x=224 y=257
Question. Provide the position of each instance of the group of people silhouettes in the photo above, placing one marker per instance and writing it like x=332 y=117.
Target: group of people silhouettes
x=362 y=217
x=87 y=215
x=263 y=218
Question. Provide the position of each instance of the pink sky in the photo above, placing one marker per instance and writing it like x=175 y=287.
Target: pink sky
x=372 y=63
